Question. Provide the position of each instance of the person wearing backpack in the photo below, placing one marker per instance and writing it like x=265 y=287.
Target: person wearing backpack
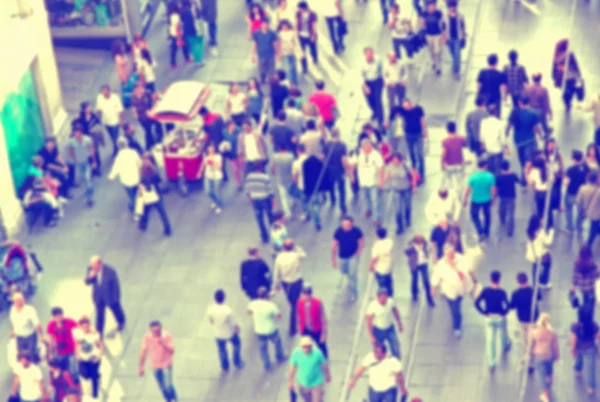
x=584 y=334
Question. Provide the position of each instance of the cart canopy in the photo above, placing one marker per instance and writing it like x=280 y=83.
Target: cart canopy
x=180 y=102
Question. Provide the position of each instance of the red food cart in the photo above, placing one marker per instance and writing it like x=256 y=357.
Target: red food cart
x=182 y=146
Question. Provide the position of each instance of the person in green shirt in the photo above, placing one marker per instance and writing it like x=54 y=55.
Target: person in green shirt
x=308 y=368
x=481 y=191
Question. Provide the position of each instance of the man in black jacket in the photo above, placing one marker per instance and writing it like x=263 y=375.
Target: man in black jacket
x=106 y=292
x=314 y=183
x=254 y=274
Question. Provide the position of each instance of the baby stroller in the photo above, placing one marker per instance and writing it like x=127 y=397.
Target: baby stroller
x=18 y=272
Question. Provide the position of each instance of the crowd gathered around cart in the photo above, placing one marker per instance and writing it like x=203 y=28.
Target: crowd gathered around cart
x=278 y=142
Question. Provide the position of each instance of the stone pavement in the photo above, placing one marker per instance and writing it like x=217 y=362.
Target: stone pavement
x=173 y=279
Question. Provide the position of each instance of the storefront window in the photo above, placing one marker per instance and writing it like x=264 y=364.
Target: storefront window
x=23 y=126
x=86 y=18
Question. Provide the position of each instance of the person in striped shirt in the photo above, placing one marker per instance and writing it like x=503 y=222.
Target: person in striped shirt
x=259 y=188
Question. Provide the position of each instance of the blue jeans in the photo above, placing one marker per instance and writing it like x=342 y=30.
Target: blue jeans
x=212 y=33
x=161 y=212
x=223 y=356
x=389 y=335
x=312 y=207
x=455 y=313
x=113 y=133
x=525 y=153
x=494 y=324
x=569 y=205
x=214 y=191
x=416 y=151
x=586 y=359
x=483 y=229
x=544 y=369
x=373 y=201
x=594 y=231
x=414 y=288
x=385 y=281
x=349 y=267
x=164 y=377
x=131 y=195
x=263 y=344
x=455 y=48
x=291 y=67
x=85 y=170
x=263 y=207
x=403 y=208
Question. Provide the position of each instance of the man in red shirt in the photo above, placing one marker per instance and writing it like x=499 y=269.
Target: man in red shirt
x=312 y=320
x=325 y=103
x=62 y=342
x=452 y=158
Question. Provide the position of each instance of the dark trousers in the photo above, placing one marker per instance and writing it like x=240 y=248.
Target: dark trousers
x=540 y=207
x=163 y=216
x=506 y=214
x=483 y=229
x=544 y=274
x=569 y=92
x=292 y=291
x=212 y=33
x=113 y=133
x=263 y=208
x=337 y=40
x=173 y=51
x=375 y=100
x=525 y=154
x=405 y=43
x=594 y=231
x=339 y=183
x=414 y=288
x=391 y=395
x=29 y=345
x=597 y=136
x=416 y=152
x=312 y=48
x=90 y=370
x=316 y=336
x=403 y=209
x=385 y=9
x=150 y=128
x=117 y=311
x=385 y=281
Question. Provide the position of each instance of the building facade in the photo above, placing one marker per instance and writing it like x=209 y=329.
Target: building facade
x=31 y=104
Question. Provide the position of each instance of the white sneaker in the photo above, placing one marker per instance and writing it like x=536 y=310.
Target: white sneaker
x=214 y=51
x=62 y=200
x=217 y=210
x=213 y=205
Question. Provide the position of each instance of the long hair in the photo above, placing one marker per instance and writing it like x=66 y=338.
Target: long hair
x=533 y=226
x=585 y=261
x=147 y=170
x=544 y=321
x=540 y=164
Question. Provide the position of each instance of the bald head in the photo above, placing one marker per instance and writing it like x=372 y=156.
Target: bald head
x=18 y=299
x=96 y=263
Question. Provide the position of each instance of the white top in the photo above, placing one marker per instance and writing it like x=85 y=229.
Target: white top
x=250 y=148
x=394 y=73
x=454 y=281
x=148 y=70
x=174 y=23
x=222 y=320
x=537 y=248
x=87 y=344
x=264 y=313
x=127 y=167
x=211 y=172
x=298 y=171
x=383 y=316
x=382 y=373
x=535 y=176
x=110 y=108
x=329 y=8
x=237 y=103
x=382 y=250
x=401 y=28
x=438 y=208
x=371 y=71
x=288 y=42
x=492 y=132
x=287 y=265
x=12 y=354
x=29 y=382
x=367 y=167
x=25 y=321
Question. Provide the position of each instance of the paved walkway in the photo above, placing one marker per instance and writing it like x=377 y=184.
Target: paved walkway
x=173 y=279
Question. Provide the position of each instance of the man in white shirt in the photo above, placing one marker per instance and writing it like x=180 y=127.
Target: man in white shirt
x=127 y=168
x=110 y=112
x=442 y=205
x=385 y=375
x=226 y=329
x=26 y=326
x=372 y=73
x=286 y=272
x=334 y=16
x=381 y=261
x=369 y=168
x=28 y=382
x=451 y=274
x=394 y=75
x=381 y=314
x=312 y=139
x=492 y=132
x=265 y=315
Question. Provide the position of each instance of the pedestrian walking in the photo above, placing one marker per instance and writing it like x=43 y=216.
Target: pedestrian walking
x=481 y=192
x=348 y=243
x=281 y=169
x=381 y=261
x=146 y=71
x=312 y=139
x=61 y=341
x=442 y=205
x=254 y=274
x=587 y=202
x=385 y=373
x=312 y=320
x=337 y=168
x=401 y=30
x=265 y=50
x=516 y=77
x=451 y=275
x=176 y=35
x=493 y=303
x=287 y=275
x=545 y=352
x=575 y=179
x=453 y=162
x=539 y=100
x=260 y=192
x=526 y=125
x=228 y=148
x=149 y=197
x=61 y=381
x=399 y=179
x=416 y=132
x=236 y=105
x=158 y=344
x=326 y=104
x=142 y=102
x=290 y=47
x=334 y=17
x=538 y=253
x=372 y=74
x=89 y=350
x=26 y=327
x=28 y=383
x=433 y=25
x=527 y=311
x=106 y=292
x=82 y=160
x=129 y=131
x=251 y=148
x=566 y=73
x=585 y=275
x=213 y=175
x=493 y=140
x=265 y=315
x=209 y=10
x=313 y=174
x=593 y=106
x=226 y=330
x=418 y=258
x=455 y=36
x=491 y=83
x=310 y=370
x=540 y=182
x=278 y=233
x=382 y=313
x=584 y=334
x=127 y=168
x=506 y=183
x=306 y=26
x=369 y=170
x=394 y=76
x=473 y=124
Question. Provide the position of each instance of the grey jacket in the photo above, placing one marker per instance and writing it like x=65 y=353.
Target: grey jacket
x=108 y=291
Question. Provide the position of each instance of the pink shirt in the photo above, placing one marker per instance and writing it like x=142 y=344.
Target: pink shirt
x=160 y=357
